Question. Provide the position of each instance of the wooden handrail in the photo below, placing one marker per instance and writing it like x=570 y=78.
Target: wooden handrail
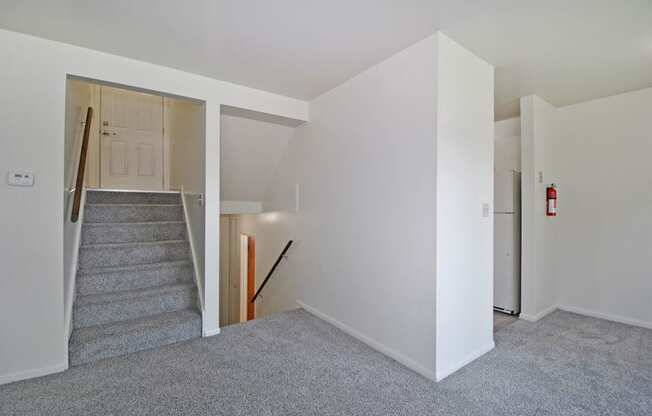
x=81 y=169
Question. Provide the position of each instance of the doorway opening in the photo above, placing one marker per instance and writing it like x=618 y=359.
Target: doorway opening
x=507 y=223
x=237 y=272
x=140 y=140
x=135 y=220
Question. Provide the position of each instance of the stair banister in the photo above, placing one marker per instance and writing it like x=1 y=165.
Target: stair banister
x=271 y=272
x=81 y=168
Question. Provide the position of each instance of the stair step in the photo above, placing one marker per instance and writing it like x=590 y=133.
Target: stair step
x=118 y=197
x=112 y=340
x=104 y=233
x=113 y=279
x=103 y=213
x=116 y=255
x=119 y=306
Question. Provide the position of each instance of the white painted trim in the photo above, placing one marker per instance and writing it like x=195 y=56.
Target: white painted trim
x=166 y=143
x=538 y=316
x=34 y=372
x=93 y=167
x=409 y=363
x=140 y=191
x=605 y=316
x=193 y=252
x=442 y=374
x=241 y=207
x=211 y=332
x=70 y=290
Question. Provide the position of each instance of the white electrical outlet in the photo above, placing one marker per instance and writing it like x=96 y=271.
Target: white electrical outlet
x=20 y=178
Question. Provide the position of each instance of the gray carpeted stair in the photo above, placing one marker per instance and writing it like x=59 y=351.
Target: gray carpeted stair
x=135 y=286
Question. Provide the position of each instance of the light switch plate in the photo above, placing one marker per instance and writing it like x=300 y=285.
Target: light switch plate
x=485 y=209
x=20 y=178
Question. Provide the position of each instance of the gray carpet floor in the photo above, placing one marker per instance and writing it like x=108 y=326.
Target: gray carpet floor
x=503 y=320
x=296 y=364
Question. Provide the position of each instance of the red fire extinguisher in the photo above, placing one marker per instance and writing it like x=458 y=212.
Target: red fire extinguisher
x=551 y=200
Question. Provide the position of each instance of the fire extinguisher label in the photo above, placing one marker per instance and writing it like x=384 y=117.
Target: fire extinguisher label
x=552 y=207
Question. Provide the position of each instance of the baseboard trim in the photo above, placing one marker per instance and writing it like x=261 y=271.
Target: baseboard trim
x=538 y=316
x=407 y=362
x=35 y=372
x=211 y=332
x=466 y=361
x=606 y=317
x=70 y=292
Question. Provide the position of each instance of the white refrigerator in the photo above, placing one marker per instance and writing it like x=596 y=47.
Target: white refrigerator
x=507 y=241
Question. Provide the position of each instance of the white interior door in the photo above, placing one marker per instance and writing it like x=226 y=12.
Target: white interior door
x=131 y=140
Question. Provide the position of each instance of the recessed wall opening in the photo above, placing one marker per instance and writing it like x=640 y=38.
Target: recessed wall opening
x=507 y=222
x=134 y=164
x=253 y=145
x=139 y=139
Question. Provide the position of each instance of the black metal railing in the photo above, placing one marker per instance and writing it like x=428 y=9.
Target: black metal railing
x=271 y=272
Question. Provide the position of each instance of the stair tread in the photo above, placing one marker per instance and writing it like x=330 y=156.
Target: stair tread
x=112 y=224
x=133 y=191
x=135 y=287
x=136 y=267
x=137 y=325
x=133 y=294
x=134 y=244
x=126 y=204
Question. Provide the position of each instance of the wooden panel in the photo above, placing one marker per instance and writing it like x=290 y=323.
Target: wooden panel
x=118 y=158
x=146 y=159
x=251 y=277
x=225 y=254
x=121 y=109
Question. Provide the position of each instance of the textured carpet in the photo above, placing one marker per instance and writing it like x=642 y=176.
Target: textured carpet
x=135 y=287
x=503 y=320
x=296 y=364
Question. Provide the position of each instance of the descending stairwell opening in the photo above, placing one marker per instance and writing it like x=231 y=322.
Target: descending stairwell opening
x=253 y=146
x=135 y=257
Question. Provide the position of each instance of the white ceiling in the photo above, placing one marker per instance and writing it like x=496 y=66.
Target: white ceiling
x=566 y=51
x=250 y=153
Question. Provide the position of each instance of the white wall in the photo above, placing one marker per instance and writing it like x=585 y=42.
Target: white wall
x=367 y=166
x=507 y=144
x=465 y=136
x=601 y=242
x=186 y=121
x=364 y=254
x=250 y=153
x=272 y=231
x=32 y=109
x=593 y=257
x=78 y=99
x=538 y=130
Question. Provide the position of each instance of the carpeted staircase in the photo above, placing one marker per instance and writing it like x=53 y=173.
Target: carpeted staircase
x=135 y=286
